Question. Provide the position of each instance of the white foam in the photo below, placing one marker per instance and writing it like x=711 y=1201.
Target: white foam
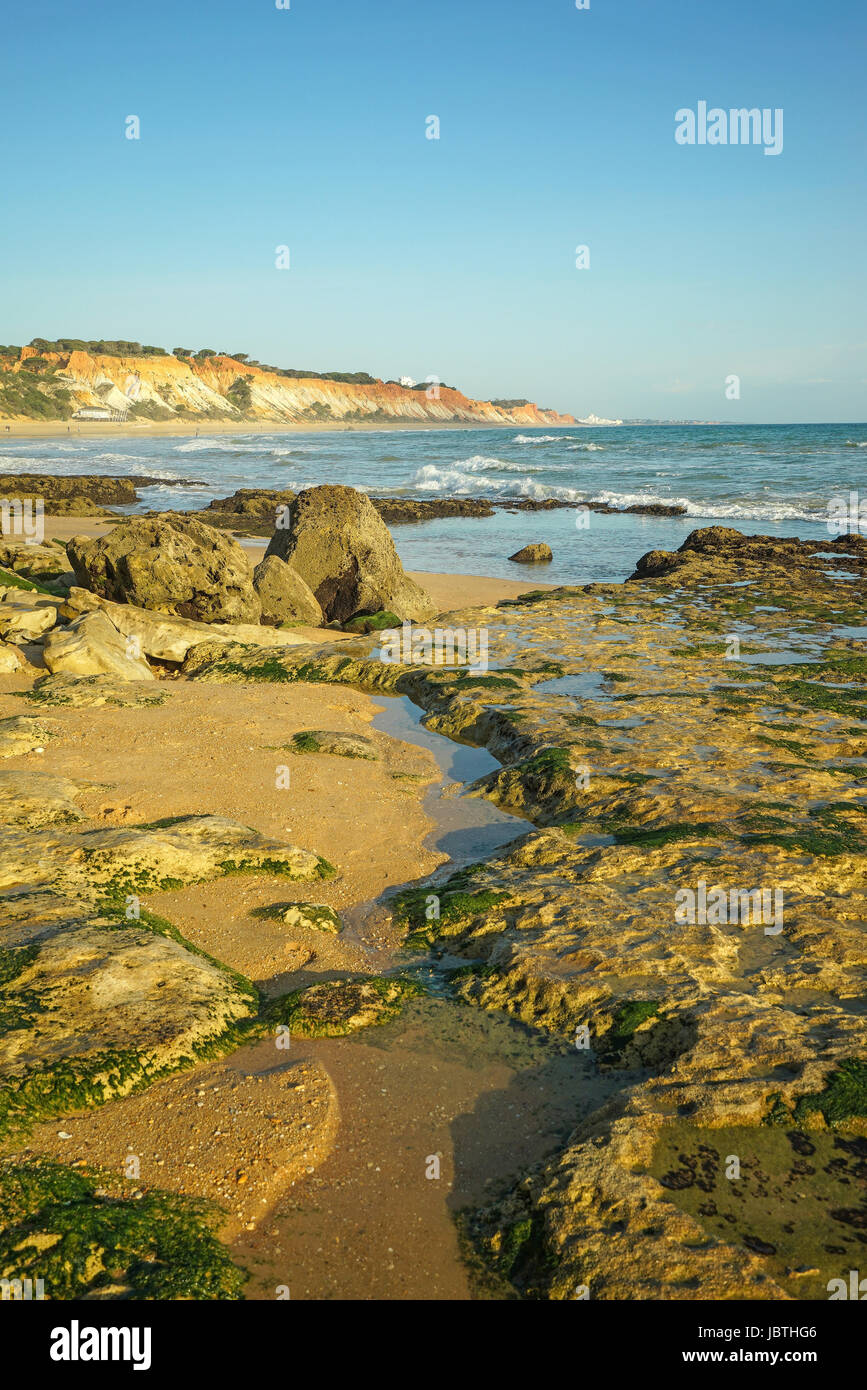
x=539 y=438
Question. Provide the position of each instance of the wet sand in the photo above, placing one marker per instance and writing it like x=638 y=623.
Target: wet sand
x=318 y=1153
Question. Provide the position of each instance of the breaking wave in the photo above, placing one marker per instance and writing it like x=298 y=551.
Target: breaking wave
x=233 y=445
x=539 y=438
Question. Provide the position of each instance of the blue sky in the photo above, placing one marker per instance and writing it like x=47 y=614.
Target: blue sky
x=306 y=127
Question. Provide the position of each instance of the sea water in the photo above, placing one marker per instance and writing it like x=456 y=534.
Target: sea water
x=769 y=479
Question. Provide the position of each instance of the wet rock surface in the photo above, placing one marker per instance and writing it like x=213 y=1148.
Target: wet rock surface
x=97 y=996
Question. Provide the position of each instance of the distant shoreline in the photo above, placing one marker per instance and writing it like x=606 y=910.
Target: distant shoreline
x=141 y=429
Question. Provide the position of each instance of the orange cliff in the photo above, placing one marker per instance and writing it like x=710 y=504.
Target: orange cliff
x=163 y=387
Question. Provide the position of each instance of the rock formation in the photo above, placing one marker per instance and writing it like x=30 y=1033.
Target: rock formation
x=342 y=550
x=284 y=596
x=171 y=563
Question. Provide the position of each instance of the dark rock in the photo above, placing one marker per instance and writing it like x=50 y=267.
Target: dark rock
x=538 y=554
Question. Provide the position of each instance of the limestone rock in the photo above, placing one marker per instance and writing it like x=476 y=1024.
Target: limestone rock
x=33 y=799
x=92 y=646
x=90 y=992
x=343 y=745
x=343 y=551
x=188 y=849
x=533 y=554
x=167 y=638
x=33 y=561
x=85 y=692
x=283 y=594
x=24 y=619
x=337 y=1007
x=171 y=563
x=10 y=660
x=23 y=733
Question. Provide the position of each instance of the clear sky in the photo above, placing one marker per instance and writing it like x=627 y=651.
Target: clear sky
x=305 y=127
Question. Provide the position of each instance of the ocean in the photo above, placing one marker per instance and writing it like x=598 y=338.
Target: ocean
x=770 y=479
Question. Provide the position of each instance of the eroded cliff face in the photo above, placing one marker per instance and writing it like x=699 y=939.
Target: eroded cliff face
x=163 y=387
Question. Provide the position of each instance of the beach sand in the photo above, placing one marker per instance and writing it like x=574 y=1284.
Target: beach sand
x=245 y=1129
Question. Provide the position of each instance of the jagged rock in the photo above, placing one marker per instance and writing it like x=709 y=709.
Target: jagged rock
x=533 y=554
x=101 y=996
x=719 y=553
x=253 y=511
x=653 y=563
x=343 y=745
x=84 y=692
x=26 y=597
x=92 y=646
x=79 y=494
x=283 y=594
x=342 y=550
x=167 y=638
x=171 y=563
x=23 y=733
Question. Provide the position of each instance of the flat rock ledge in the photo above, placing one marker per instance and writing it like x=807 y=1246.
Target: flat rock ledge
x=99 y=997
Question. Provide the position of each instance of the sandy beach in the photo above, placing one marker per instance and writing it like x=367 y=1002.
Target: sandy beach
x=374 y=905
x=108 y=430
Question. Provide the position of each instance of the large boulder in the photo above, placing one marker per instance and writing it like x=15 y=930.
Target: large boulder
x=92 y=646
x=284 y=596
x=343 y=551
x=169 y=563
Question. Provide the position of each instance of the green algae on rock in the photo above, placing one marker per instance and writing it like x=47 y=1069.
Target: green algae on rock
x=340 y=744
x=85 y=691
x=317 y=916
x=61 y=1226
x=100 y=998
x=336 y=1007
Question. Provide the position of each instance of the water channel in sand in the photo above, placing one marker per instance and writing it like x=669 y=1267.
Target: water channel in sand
x=487 y=1095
